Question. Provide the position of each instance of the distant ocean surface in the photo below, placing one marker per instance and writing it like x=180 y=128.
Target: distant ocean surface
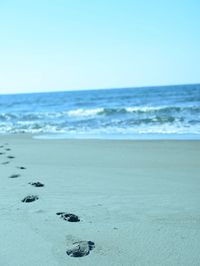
x=150 y=112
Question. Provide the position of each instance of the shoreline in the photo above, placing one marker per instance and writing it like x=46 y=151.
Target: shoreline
x=138 y=201
x=137 y=137
x=122 y=137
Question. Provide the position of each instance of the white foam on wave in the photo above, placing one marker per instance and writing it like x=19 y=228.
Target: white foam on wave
x=85 y=112
x=143 y=108
x=169 y=129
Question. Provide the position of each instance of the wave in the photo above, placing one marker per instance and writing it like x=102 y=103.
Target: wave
x=167 y=128
x=135 y=119
x=127 y=110
x=85 y=112
x=101 y=111
x=30 y=116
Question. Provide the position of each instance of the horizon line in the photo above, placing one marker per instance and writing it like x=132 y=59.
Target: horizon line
x=113 y=88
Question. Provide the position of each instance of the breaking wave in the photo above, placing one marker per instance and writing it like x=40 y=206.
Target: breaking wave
x=128 y=110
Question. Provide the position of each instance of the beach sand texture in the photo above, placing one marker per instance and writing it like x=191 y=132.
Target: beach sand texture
x=138 y=201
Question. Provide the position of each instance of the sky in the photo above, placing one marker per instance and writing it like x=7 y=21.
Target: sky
x=60 y=45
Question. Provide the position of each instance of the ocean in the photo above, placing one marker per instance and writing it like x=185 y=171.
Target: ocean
x=127 y=113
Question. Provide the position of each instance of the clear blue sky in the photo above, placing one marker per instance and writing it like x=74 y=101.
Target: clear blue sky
x=49 y=45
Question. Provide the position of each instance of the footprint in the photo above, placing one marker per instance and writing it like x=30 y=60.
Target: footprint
x=70 y=217
x=10 y=157
x=30 y=198
x=80 y=249
x=37 y=184
x=5 y=163
x=8 y=149
x=1 y=153
x=14 y=176
x=1 y=146
x=21 y=167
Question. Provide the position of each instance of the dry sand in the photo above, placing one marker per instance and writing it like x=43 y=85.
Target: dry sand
x=139 y=201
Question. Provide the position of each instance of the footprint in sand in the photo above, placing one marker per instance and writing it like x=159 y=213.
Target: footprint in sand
x=37 y=184
x=5 y=163
x=14 y=176
x=80 y=248
x=70 y=217
x=30 y=198
x=21 y=167
x=1 y=153
x=10 y=157
x=7 y=149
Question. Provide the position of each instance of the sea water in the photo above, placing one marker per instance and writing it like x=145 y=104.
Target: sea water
x=171 y=112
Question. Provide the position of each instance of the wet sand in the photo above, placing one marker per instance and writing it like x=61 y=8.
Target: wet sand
x=138 y=201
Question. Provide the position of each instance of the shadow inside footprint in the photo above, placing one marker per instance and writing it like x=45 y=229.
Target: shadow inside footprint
x=80 y=249
x=8 y=149
x=70 y=217
x=30 y=198
x=10 y=157
x=14 y=176
x=37 y=184
x=21 y=167
x=1 y=153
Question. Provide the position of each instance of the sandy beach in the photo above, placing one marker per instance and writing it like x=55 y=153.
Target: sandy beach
x=138 y=201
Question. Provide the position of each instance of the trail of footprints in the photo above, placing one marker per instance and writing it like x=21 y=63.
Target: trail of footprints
x=79 y=248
